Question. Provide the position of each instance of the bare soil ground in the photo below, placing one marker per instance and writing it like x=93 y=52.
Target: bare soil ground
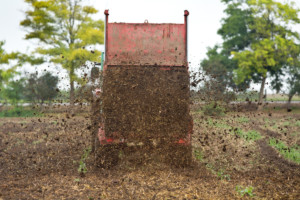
x=39 y=159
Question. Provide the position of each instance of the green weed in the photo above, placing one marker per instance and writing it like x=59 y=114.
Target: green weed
x=287 y=123
x=198 y=155
x=249 y=136
x=245 y=190
x=19 y=111
x=253 y=135
x=243 y=120
x=214 y=109
x=20 y=142
x=290 y=153
x=210 y=122
x=222 y=125
x=77 y=180
x=267 y=120
x=295 y=133
x=216 y=124
x=209 y=166
x=82 y=169
x=36 y=142
x=297 y=123
x=223 y=176
x=220 y=174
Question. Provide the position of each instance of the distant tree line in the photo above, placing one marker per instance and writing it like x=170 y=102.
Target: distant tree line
x=37 y=90
x=65 y=31
x=258 y=43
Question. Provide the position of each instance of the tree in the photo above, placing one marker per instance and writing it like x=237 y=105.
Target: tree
x=235 y=26
x=273 y=46
x=41 y=89
x=64 y=28
x=13 y=92
x=219 y=66
x=5 y=57
x=293 y=84
x=7 y=73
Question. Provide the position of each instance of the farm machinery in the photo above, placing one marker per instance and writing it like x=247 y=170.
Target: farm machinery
x=145 y=91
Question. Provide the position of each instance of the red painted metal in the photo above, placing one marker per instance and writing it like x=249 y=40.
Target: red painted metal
x=146 y=43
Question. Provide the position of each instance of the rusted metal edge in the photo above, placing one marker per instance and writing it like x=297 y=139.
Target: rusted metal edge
x=106 y=12
x=186 y=14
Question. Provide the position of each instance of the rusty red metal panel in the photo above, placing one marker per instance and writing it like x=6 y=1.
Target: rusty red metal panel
x=146 y=44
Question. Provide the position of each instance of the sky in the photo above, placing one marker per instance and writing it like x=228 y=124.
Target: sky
x=204 y=20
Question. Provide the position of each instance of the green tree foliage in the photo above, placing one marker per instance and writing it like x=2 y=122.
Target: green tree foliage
x=235 y=26
x=293 y=82
x=258 y=34
x=219 y=67
x=64 y=28
x=41 y=89
x=5 y=57
x=273 y=44
x=8 y=73
x=13 y=91
x=218 y=72
x=234 y=30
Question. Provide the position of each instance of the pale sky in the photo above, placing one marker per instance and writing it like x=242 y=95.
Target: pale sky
x=204 y=20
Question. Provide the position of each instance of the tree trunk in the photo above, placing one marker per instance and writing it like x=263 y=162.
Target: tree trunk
x=289 y=102
x=72 y=92
x=261 y=93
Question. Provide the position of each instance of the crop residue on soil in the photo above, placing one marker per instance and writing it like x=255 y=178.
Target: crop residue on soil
x=40 y=159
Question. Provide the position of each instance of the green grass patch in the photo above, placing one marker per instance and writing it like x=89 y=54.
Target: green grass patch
x=198 y=155
x=223 y=126
x=251 y=135
x=217 y=123
x=290 y=153
x=251 y=96
x=213 y=109
x=243 y=120
x=295 y=133
x=210 y=122
x=19 y=111
x=37 y=142
x=220 y=174
x=297 y=123
x=82 y=169
x=245 y=190
x=286 y=123
x=281 y=97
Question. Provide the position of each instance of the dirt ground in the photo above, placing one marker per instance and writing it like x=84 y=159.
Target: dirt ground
x=40 y=157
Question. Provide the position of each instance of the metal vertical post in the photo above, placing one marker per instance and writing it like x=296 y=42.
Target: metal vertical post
x=106 y=33
x=186 y=14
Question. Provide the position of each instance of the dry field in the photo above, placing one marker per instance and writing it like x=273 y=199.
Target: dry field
x=40 y=157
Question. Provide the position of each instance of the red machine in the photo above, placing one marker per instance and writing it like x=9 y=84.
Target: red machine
x=145 y=87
